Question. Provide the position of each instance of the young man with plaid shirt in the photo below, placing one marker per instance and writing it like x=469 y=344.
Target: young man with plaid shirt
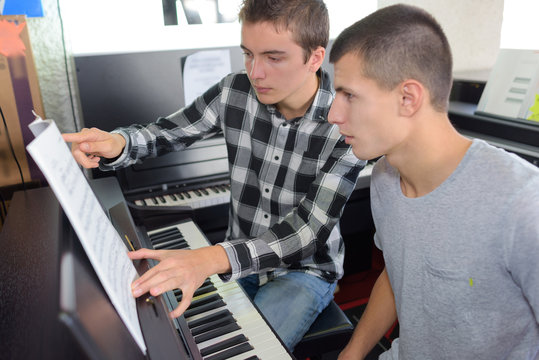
x=290 y=171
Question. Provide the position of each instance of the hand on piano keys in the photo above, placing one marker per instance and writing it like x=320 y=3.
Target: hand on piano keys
x=179 y=269
x=222 y=320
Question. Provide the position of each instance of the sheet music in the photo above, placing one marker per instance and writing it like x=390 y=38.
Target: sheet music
x=202 y=70
x=99 y=238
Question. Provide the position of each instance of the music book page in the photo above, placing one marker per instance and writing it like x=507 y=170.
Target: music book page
x=99 y=238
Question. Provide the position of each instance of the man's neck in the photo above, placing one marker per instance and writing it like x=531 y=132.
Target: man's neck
x=430 y=157
x=297 y=104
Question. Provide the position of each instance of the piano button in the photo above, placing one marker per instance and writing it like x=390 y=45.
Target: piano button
x=221 y=314
x=214 y=333
x=203 y=308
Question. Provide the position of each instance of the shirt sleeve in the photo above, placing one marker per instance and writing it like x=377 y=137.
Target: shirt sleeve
x=307 y=227
x=175 y=132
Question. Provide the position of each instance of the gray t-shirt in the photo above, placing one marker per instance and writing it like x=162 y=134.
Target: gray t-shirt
x=463 y=260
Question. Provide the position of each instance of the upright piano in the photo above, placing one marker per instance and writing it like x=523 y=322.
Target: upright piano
x=52 y=305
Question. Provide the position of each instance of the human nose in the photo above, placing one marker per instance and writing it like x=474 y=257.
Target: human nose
x=335 y=114
x=256 y=71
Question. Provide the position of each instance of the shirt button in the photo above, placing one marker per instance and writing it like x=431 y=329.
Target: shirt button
x=276 y=158
x=266 y=190
x=266 y=216
x=285 y=124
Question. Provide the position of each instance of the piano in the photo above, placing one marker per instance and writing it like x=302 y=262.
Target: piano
x=53 y=306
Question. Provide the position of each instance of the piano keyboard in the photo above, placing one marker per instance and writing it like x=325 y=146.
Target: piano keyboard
x=219 y=194
x=222 y=319
x=196 y=198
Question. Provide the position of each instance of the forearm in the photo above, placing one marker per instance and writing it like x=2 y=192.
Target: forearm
x=378 y=317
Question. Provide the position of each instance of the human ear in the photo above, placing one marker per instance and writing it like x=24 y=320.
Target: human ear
x=316 y=59
x=411 y=94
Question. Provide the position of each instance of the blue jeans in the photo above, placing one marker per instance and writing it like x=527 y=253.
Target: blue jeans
x=290 y=302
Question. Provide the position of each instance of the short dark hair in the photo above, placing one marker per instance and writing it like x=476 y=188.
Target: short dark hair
x=400 y=42
x=308 y=20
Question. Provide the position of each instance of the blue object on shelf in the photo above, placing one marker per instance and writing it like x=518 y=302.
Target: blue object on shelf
x=30 y=8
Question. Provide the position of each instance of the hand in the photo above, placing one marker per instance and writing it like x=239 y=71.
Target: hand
x=179 y=269
x=89 y=145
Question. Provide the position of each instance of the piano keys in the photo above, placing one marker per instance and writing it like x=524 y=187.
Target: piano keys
x=221 y=318
x=195 y=198
x=207 y=196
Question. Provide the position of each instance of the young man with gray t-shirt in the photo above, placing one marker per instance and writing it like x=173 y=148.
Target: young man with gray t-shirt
x=457 y=220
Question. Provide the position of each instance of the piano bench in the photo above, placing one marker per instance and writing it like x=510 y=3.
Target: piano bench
x=330 y=332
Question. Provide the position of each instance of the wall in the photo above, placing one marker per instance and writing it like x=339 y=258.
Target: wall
x=472 y=28
x=475 y=42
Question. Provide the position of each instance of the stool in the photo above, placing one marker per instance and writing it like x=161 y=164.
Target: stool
x=331 y=331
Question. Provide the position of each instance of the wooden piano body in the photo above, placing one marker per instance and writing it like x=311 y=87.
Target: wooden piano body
x=52 y=305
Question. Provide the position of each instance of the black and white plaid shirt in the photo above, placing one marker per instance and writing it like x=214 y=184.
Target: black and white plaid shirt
x=289 y=179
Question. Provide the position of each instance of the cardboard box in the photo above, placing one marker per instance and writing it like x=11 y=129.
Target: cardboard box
x=19 y=95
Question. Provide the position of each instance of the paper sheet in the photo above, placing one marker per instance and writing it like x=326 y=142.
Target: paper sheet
x=202 y=70
x=99 y=238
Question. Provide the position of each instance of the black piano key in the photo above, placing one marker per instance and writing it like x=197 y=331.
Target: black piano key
x=187 y=195
x=222 y=345
x=212 y=325
x=206 y=282
x=254 y=357
x=180 y=195
x=154 y=200
x=173 y=197
x=205 y=192
x=162 y=199
x=172 y=246
x=165 y=233
x=228 y=353
x=204 y=290
x=203 y=308
x=214 y=189
x=205 y=300
x=197 y=192
x=166 y=237
x=222 y=314
x=223 y=330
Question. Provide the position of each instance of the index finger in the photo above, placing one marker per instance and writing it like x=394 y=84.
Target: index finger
x=77 y=137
